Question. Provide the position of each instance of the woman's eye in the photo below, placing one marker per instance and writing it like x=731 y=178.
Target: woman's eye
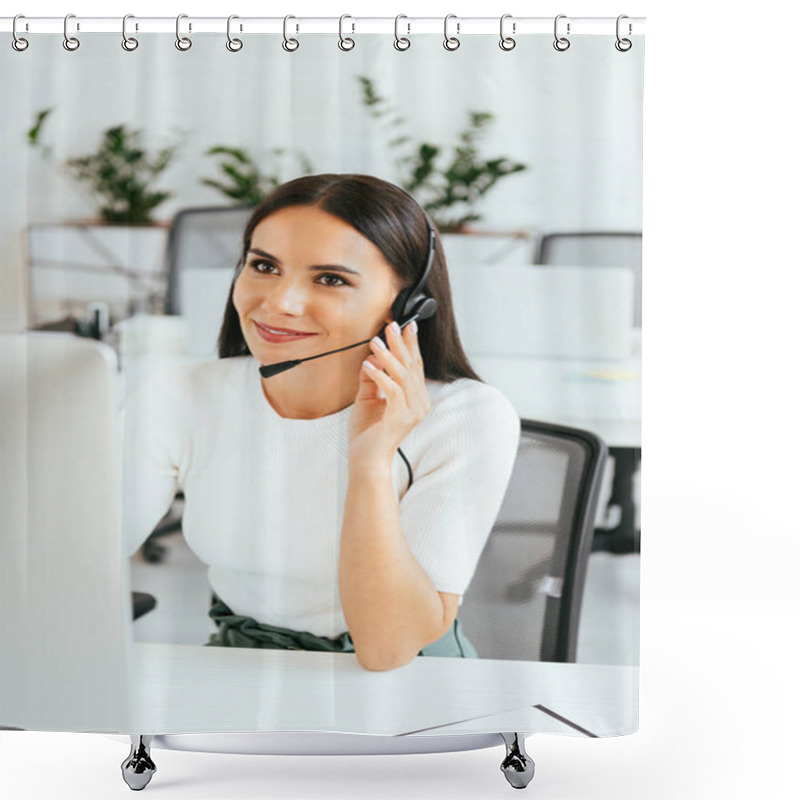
x=342 y=282
x=256 y=265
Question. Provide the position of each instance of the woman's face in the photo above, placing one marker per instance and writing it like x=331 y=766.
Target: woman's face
x=310 y=272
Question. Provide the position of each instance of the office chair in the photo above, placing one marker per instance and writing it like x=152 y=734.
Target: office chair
x=202 y=238
x=524 y=600
x=596 y=249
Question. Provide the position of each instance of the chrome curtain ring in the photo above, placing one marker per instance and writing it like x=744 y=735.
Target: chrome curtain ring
x=561 y=43
x=401 y=43
x=18 y=43
x=346 y=43
x=234 y=45
x=182 y=42
x=451 y=42
x=290 y=45
x=70 y=42
x=623 y=45
x=128 y=42
x=507 y=42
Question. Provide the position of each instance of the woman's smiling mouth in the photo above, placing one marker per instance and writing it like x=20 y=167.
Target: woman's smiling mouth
x=278 y=335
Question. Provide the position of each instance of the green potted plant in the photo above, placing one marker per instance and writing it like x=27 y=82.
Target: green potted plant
x=120 y=175
x=115 y=258
x=456 y=187
x=245 y=183
x=449 y=181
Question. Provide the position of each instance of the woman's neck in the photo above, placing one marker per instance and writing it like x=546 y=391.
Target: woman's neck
x=310 y=391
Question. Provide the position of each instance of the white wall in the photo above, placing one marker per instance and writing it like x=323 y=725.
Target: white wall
x=573 y=117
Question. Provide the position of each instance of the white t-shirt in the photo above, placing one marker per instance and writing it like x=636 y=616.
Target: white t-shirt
x=264 y=495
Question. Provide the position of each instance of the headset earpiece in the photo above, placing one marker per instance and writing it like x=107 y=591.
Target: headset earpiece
x=424 y=307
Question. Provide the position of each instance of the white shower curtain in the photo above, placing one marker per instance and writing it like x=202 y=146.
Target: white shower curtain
x=124 y=169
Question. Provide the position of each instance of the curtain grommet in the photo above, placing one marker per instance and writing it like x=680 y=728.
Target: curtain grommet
x=561 y=43
x=289 y=45
x=129 y=43
x=234 y=45
x=70 y=43
x=507 y=42
x=623 y=45
x=451 y=42
x=183 y=43
x=345 y=42
x=401 y=42
x=19 y=43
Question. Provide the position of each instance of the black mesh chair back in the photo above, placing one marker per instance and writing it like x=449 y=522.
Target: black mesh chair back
x=203 y=238
x=524 y=600
x=601 y=249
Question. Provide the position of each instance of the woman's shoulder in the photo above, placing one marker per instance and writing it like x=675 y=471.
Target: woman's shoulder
x=465 y=392
x=216 y=372
x=466 y=400
x=468 y=420
x=187 y=380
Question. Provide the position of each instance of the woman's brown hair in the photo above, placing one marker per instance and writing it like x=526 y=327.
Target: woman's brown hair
x=395 y=224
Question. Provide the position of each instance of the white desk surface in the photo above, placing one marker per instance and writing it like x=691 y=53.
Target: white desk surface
x=600 y=396
x=197 y=689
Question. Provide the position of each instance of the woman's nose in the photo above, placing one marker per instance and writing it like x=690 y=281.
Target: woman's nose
x=286 y=296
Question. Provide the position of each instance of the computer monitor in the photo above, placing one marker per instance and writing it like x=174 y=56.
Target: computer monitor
x=66 y=617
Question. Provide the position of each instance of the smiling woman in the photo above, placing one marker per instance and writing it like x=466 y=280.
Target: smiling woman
x=316 y=535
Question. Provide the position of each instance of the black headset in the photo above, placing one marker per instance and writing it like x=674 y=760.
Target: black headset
x=413 y=303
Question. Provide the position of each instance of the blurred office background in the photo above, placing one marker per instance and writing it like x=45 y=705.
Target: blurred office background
x=544 y=248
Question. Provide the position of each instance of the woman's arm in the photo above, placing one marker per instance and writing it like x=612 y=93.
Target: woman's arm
x=152 y=428
x=391 y=607
x=390 y=604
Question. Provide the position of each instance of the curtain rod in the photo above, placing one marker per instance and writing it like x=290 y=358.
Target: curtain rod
x=407 y=26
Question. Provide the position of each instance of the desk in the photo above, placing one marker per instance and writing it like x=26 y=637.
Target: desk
x=196 y=689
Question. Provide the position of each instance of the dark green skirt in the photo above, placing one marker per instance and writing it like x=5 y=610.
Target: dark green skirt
x=235 y=630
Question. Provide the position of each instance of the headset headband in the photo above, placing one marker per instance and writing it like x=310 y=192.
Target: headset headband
x=410 y=300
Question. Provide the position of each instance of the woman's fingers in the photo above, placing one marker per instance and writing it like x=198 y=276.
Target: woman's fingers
x=392 y=359
x=412 y=341
x=403 y=363
x=393 y=391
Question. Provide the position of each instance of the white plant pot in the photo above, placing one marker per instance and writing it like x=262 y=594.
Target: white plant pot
x=73 y=264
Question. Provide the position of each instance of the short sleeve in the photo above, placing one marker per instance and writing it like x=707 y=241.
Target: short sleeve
x=464 y=464
x=154 y=444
